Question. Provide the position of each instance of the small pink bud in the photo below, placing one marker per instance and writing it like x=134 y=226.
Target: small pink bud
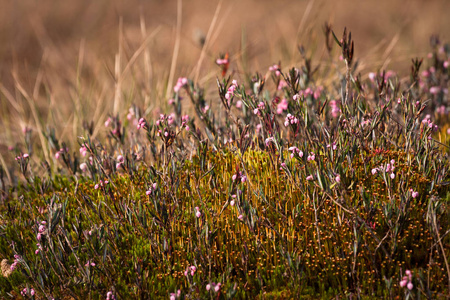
x=410 y=286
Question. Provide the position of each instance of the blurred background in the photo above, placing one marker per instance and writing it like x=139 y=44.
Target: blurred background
x=393 y=30
x=65 y=62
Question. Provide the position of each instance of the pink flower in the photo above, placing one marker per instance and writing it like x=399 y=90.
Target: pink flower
x=83 y=167
x=208 y=287
x=141 y=123
x=217 y=287
x=435 y=90
x=282 y=106
x=182 y=81
x=310 y=177
x=83 y=150
x=232 y=202
x=403 y=282
x=392 y=175
x=338 y=178
x=409 y=285
x=241 y=217
x=198 y=214
x=41 y=228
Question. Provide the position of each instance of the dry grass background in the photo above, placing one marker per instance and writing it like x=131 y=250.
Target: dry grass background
x=64 y=62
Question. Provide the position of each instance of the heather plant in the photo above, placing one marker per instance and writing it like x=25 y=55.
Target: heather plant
x=312 y=181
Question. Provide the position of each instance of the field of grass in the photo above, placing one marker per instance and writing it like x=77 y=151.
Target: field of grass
x=232 y=164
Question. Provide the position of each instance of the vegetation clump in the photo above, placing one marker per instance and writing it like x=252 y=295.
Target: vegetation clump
x=279 y=187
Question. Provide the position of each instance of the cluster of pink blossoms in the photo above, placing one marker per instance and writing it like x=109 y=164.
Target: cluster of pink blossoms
x=294 y=150
x=83 y=150
x=21 y=157
x=184 y=122
x=230 y=92
x=89 y=263
x=315 y=93
x=388 y=168
x=151 y=189
x=427 y=122
x=335 y=110
x=120 y=161
x=190 y=270
x=170 y=119
x=239 y=176
x=275 y=68
x=41 y=231
x=61 y=151
x=173 y=296
x=25 y=292
x=261 y=106
x=282 y=106
x=213 y=286
x=110 y=296
x=182 y=81
x=290 y=119
x=141 y=123
x=101 y=184
x=16 y=262
x=406 y=280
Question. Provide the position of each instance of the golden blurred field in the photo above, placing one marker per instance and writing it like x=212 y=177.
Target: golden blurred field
x=62 y=63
